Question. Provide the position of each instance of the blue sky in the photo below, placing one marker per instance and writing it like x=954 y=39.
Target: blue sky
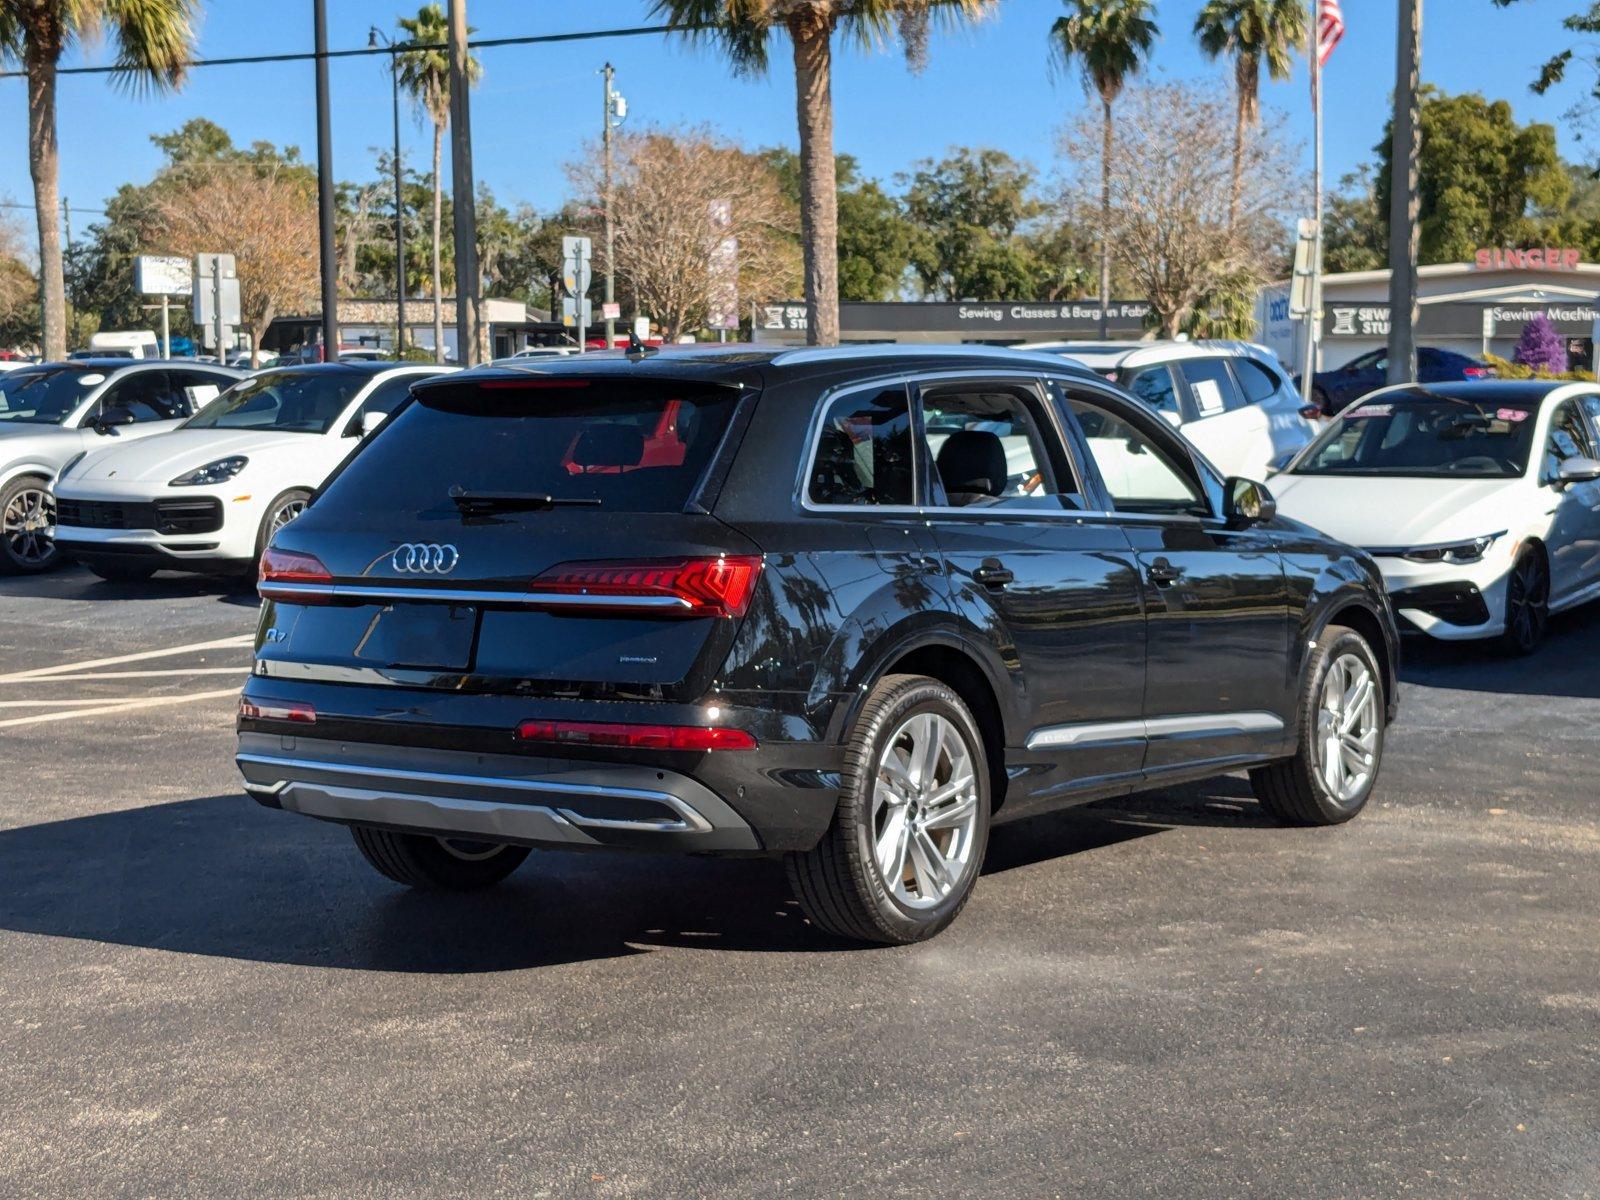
x=987 y=85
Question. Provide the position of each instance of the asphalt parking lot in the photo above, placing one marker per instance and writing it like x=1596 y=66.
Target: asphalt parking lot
x=1159 y=996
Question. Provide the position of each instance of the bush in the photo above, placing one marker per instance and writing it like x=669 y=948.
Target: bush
x=1541 y=347
x=1506 y=369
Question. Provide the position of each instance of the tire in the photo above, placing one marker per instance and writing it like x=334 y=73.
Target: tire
x=292 y=503
x=433 y=864
x=115 y=573
x=1527 y=603
x=26 y=512
x=1298 y=791
x=844 y=884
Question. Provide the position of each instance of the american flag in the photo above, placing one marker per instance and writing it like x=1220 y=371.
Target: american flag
x=1330 y=28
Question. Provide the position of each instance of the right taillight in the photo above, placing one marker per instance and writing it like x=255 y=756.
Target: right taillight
x=688 y=587
x=279 y=567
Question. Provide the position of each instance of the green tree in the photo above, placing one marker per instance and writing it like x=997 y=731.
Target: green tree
x=969 y=211
x=1355 y=230
x=745 y=27
x=425 y=75
x=875 y=238
x=1254 y=33
x=154 y=40
x=1109 y=42
x=1485 y=179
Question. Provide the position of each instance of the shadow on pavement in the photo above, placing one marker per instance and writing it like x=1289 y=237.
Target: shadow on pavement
x=77 y=583
x=219 y=876
x=1567 y=664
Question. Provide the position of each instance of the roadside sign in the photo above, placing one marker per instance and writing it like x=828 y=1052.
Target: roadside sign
x=611 y=311
x=569 y=315
x=215 y=290
x=162 y=275
x=1305 y=246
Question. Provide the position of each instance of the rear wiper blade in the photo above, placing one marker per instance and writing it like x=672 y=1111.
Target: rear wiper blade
x=485 y=502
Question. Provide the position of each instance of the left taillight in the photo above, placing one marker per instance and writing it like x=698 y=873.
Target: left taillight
x=279 y=567
x=690 y=587
x=292 y=710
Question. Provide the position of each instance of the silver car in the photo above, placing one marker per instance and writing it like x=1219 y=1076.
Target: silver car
x=52 y=413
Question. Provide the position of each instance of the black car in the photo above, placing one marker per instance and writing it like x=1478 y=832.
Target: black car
x=839 y=607
x=1335 y=390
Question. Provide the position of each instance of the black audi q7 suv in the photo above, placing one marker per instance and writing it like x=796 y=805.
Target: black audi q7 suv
x=841 y=607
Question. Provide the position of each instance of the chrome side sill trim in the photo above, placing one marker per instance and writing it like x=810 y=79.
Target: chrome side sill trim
x=1103 y=733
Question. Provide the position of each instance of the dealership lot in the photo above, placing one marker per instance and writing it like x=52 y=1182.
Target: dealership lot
x=1160 y=995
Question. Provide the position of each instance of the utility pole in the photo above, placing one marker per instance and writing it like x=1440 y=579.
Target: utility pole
x=1308 y=358
x=1405 y=157
x=66 y=289
x=615 y=112
x=462 y=201
x=326 y=257
x=375 y=37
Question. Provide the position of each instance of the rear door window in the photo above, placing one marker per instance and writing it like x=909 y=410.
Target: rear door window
x=1211 y=386
x=863 y=454
x=1156 y=387
x=637 y=446
x=991 y=447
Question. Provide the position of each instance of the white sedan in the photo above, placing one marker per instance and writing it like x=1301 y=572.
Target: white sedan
x=207 y=496
x=1479 y=501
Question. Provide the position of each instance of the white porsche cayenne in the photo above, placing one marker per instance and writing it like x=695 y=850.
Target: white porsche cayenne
x=208 y=495
x=1480 y=501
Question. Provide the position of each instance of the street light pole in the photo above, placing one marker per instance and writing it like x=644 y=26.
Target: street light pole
x=326 y=256
x=614 y=112
x=373 y=37
x=1405 y=157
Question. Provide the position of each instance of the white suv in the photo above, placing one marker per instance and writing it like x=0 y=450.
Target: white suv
x=1231 y=399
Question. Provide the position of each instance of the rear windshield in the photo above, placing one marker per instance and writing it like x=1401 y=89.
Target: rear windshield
x=635 y=446
x=1425 y=437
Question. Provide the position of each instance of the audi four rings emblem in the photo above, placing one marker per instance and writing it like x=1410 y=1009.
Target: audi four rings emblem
x=426 y=558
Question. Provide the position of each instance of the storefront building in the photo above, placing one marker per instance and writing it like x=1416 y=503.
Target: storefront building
x=1474 y=308
x=1002 y=323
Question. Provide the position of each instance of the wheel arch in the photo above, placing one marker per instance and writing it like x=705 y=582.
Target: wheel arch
x=1353 y=614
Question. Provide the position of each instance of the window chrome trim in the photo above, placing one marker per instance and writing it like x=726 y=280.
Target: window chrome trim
x=363 y=592
x=1102 y=733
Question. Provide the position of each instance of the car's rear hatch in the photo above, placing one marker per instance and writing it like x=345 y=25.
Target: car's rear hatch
x=539 y=536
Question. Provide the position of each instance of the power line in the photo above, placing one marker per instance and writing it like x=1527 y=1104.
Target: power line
x=397 y=48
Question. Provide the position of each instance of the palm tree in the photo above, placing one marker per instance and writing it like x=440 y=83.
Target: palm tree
x=425 y=75
x=744 y=27
x=1108 y=40
x=154 y=41
x=1253 y=32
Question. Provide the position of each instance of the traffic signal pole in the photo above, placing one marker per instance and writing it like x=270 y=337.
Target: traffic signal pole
x=327 y=259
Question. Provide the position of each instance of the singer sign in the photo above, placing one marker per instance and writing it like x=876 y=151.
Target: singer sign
x=1535 y=258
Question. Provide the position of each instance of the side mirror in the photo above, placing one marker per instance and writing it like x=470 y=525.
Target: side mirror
x=1577 y=470
x=112 y=417
x=370 y=422
x=1246 y=502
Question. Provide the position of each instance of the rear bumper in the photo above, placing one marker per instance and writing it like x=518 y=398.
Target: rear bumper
x=502 y=798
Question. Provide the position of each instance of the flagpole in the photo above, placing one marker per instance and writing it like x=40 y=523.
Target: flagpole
x=1314 y=303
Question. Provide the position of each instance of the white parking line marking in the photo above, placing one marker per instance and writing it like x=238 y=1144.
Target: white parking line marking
x=62 y=668
x=239 y=670
x=65 y=703
x=118 y=707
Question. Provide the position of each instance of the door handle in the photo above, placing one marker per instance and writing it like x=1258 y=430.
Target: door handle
x=1162 y=573
x=993 y=575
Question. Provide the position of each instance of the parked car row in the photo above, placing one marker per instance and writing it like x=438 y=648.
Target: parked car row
x=842 y=607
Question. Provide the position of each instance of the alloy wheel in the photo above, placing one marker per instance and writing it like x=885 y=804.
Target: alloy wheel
x=286 y=512
x=924 y=811
x=1527 y=601
x=28 y=526
x=1348 y=727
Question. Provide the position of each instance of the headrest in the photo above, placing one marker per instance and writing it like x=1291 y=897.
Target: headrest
x=609 y=446
x=972 y=461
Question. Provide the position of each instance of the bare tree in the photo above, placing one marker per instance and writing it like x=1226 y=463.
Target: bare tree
x=1171 y=189
x=17 y=284
x=664 y=188
x=267 y=218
